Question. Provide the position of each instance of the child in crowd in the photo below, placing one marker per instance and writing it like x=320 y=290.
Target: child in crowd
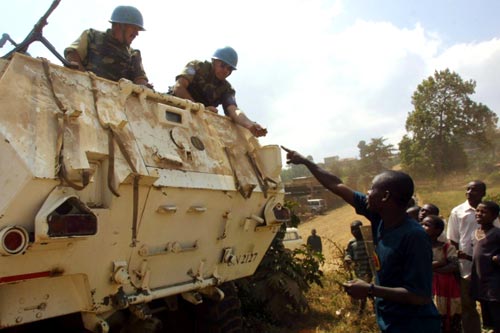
x=356 y=254
x=427 y=209
x=445 y=285
x=413 y=212
x=485 y=278
x=431 y=209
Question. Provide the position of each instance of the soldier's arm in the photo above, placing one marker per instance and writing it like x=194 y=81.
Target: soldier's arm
x=180 y=88
x=77 y=51
x=74 y=58
x=138 y=72
x=143 y=81
x=239 y=117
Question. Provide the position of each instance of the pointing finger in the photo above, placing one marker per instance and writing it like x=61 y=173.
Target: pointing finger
x=286 y=149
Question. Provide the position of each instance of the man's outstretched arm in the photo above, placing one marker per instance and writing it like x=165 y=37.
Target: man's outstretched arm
x=328 y=180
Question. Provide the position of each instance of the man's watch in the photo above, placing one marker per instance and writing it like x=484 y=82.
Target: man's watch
x=370 y=290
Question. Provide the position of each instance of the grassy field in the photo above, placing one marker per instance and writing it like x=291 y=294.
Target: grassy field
x=331 y=309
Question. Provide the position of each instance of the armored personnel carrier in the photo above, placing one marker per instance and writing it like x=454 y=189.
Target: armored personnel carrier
x=118 y=201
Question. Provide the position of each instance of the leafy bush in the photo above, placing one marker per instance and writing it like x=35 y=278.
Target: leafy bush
x=276 y=292
x=330 y=309
x=294 y=219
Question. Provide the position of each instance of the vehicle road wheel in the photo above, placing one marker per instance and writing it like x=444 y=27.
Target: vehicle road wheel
x=221 y=317
x=151 y=325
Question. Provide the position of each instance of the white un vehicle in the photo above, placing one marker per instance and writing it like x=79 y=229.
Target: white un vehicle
x=121 y=205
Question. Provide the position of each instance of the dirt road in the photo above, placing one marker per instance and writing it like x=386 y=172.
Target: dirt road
x=333 y=228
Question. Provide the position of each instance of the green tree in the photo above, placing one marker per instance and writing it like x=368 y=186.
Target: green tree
x=350 y=173
x=443 y=120
x=375 y=156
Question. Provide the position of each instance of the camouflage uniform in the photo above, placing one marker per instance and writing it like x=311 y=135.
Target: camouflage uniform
x=205 y=87
x=105 y=56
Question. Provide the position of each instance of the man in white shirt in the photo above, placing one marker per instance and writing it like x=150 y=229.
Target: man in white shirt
x=461 y=225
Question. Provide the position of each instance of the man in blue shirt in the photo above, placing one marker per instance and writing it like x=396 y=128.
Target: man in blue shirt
x=403 y=253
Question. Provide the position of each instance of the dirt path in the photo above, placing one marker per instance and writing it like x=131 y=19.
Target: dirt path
x=333 y=227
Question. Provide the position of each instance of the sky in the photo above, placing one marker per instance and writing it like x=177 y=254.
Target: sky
x=321 y=75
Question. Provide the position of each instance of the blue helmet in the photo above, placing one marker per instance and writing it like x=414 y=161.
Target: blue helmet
x=228 y=55
x=127 y=15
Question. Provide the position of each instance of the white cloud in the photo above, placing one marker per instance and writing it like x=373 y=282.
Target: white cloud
x=479 y=62
x=357 y=87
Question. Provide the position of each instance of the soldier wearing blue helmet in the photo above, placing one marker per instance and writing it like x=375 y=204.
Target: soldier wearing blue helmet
x=205 y=82
x=108 y=54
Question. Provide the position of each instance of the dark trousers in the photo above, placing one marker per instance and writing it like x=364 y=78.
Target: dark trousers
x=471 y=323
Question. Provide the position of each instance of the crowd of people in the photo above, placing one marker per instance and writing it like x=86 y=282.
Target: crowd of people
x=429 y=275
x=464 y=272
x=109 y=55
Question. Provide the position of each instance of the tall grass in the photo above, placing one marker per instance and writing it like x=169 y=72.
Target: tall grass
x=332 y=303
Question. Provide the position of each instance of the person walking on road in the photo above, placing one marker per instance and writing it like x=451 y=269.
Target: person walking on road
x=314 y=242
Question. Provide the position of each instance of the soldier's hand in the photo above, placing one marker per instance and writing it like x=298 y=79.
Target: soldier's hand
x=73 y=58
x=212 y=109
x=143 y=82
x=77 y=65
x=293 y=157
x=257 y=130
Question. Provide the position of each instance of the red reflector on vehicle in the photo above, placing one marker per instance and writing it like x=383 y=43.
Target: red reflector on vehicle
x=14 y=240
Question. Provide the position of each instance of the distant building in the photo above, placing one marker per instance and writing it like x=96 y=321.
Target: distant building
x=331 y=162
x=303 y=188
